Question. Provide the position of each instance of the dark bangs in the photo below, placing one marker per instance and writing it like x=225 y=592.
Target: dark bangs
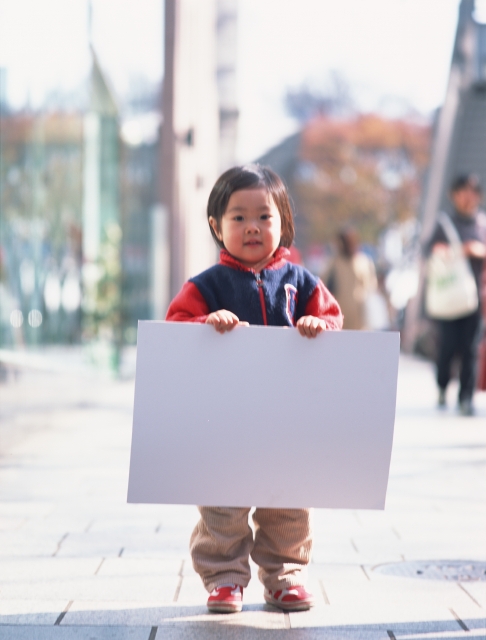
x=252 y=176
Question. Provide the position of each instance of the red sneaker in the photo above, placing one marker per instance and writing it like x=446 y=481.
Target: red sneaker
x=228 y=598
x=290 y=599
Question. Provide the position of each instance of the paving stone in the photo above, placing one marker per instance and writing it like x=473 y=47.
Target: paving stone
x=353 y=595
x=464 y=549
x=112 y=613
x=335 y=521
x=31 y=569
x=25 y=509
x=216 y=631
x=10 y=632
x=161 y=588
x=155 y=614
x=388 y=615
x=17 y=543
x=123 y=524
x=100 y=505
x=133 y=543
x=42 y=612
x=134 y=567
x=59 y=525
x=470 y=615
x=477 y=590
x=11 y=524
x=157 y=548
x=188 y=569
x=337 y=551
x=192 y=592
x=348 y=574
x=373 y=632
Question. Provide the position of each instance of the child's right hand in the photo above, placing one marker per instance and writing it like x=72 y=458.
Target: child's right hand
x=223 y=320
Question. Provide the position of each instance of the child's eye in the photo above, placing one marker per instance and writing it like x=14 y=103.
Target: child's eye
x=265 y=216
x=238 y=218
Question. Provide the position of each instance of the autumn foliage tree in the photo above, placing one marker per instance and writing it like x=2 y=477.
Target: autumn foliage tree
x=365 y=170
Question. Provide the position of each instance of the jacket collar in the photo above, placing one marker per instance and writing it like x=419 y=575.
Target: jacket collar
x=277 y=262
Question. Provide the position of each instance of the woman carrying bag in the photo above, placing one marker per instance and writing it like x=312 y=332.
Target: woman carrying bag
x=482 y=348
x=457 y=250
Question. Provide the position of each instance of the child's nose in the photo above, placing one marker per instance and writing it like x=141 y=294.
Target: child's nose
x=253 y=226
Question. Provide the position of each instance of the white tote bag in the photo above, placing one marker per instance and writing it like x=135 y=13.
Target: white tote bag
x=451 y=290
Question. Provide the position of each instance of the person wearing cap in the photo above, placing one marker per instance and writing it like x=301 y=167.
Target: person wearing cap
x=461 y=337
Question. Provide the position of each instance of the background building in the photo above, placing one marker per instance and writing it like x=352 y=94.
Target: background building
x=103 y=197
x=199 y=121
x=460 y=131
x=226 y=60
x=41 y=227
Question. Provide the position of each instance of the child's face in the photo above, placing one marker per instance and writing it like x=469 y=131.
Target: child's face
x=250 y=227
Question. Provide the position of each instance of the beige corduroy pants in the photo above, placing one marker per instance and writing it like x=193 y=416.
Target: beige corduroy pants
x=223 y=540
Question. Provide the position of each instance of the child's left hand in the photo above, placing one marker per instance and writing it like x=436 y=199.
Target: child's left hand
x=310 y=326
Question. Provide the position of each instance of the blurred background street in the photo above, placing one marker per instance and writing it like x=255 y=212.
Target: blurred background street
x=114 y=125
x=116 y=118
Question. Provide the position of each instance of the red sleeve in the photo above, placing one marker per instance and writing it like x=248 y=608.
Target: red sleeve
x=323 y=305
x=188 y=306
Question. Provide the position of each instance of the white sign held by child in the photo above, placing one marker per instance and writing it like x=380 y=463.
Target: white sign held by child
x=261 y=416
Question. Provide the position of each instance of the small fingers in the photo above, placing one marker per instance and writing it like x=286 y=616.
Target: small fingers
x=222 y=320
x=301 y=328
x=225 y=321
x=310 y=326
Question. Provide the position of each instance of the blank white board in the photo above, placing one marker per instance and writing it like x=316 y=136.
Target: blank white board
x=262 y=417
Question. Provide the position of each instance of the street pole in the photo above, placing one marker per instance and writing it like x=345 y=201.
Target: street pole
x=169 y=165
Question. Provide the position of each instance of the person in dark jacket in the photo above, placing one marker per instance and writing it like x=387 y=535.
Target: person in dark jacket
x=250 y=217
x=461 y=337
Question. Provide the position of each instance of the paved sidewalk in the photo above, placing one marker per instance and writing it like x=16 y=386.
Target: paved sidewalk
x=77 y=562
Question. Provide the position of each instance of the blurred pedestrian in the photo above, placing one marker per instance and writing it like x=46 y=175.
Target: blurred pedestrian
x=460 y=337
x=352 y=279
x=482 y=347
x=250 y=218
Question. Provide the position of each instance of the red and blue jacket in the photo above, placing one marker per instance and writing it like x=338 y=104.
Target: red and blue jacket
x=278 y=296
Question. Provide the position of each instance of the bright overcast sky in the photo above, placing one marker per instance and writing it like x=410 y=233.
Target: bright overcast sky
x=385 y=48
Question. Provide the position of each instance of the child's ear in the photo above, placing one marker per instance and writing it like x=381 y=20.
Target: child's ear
x=215 y=227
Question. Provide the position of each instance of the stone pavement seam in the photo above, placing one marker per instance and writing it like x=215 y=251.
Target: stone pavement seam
x=63 y=613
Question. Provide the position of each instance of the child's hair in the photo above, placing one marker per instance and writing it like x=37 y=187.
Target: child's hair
x=252 y=176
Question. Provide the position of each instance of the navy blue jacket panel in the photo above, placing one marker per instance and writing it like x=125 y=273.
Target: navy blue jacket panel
x=286 y=292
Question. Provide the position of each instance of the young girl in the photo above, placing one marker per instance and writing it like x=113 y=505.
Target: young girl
x=250 y=217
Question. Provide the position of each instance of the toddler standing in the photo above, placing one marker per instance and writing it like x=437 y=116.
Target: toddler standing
x=250 y=218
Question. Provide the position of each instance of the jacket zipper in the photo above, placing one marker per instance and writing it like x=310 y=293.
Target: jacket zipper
x=262 y=297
